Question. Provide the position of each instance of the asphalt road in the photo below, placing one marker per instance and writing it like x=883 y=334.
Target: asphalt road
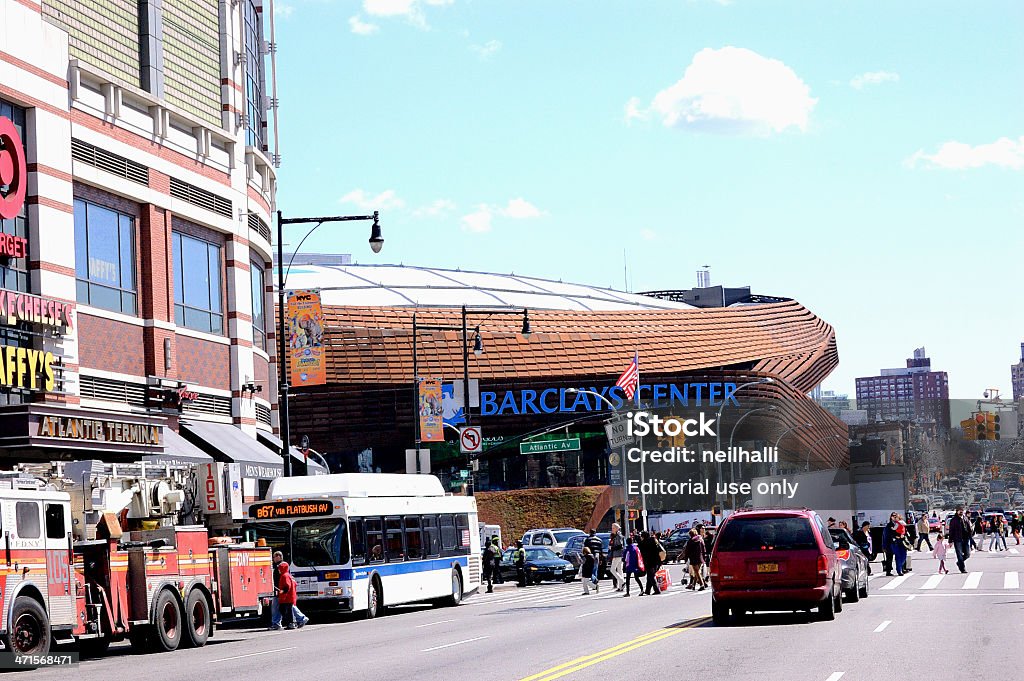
x=922 y=626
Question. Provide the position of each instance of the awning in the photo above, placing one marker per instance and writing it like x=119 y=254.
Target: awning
x=274 y=443
x=178 y=450
x=225 y=442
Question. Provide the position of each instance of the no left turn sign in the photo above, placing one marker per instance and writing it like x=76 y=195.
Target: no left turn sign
x=470 y=440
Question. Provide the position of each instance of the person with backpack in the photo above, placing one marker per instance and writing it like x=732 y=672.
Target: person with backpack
x=694 y=553
x=596 y=546
x=633 y=565
x=519 y=558
x=653 y=554
x=587 y=569
x=287 y=596
x=615 y=544
x=496 y=564
x=488 y=564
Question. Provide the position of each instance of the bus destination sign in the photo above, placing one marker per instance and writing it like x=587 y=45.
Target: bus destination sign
x=274 y=510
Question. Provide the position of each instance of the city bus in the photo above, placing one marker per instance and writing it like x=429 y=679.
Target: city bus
x=359 y=542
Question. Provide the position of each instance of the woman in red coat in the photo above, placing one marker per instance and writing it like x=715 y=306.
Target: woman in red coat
x=286 y=595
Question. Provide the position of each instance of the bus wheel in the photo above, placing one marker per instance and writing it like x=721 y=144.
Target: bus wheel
x=197 y=619
x=30 y=628
x=456 y=596
x=374 y=599
x=167 y=622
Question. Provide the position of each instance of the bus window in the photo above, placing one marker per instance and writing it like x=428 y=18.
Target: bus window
x=462 y=535
x=275 y=534
x=413 y=538
x=375 y=540
x=357 y=532
x=323 y=541
x=431 y=535
x=393 y=539
x=448 y=538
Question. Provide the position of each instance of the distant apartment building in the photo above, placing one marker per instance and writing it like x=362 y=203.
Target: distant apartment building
x=913 y=393
x=832 y=402
x=1017 y=376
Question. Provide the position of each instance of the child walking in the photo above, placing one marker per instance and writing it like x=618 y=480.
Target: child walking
x=940 y=553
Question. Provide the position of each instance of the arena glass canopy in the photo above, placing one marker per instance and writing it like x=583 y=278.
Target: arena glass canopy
x=409 y=286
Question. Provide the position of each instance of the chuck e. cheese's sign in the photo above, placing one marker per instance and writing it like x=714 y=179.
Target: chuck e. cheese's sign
x=24 y=368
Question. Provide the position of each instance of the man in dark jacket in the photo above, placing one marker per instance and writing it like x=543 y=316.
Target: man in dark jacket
x=650 y=550
x=615 y=546
x=960 y=537
x=865 y=541
x=596 y=546
x=488 y=560
x=888 y=539
x=694 y=552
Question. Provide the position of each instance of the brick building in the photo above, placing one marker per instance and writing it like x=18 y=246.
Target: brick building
x=913 y=393
x=148 y=194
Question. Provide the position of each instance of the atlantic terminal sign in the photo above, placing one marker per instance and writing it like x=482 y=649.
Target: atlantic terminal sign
x=566 y=400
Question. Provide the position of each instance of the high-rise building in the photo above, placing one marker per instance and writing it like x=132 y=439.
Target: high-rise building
x=832 y=402
x=1017 y=376
x=911 y=393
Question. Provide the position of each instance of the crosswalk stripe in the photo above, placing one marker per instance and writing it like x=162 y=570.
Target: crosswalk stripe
x=896 y=582
x=932 y=582
x=973 y=580
x=1014 y=551
x=1011 y=580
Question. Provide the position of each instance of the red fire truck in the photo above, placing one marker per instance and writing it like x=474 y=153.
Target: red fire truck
x=158 y=588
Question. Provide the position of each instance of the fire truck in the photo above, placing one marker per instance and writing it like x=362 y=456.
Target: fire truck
x=106 y=559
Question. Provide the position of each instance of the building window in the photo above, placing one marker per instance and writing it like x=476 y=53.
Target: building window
x=104 y=257
x=259 y=322
x=197 y=284
x=14 y=271
x=255 y=113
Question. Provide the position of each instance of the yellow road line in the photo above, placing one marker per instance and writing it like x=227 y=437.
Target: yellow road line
x=608 y=653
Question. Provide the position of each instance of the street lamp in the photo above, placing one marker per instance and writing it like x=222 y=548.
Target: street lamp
x=815 y=444
x=625 y=505
x=732 y=469
x=376 y=242
x=718 y=417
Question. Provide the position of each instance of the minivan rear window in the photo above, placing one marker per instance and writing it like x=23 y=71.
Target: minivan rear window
x=766 y=534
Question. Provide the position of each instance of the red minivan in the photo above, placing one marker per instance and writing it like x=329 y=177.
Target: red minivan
x=774 y=560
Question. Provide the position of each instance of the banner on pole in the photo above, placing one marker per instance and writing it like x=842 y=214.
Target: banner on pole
x=306 y=360
x=431 y=410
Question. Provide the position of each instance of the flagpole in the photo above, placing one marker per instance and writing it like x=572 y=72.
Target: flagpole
x=643 y=495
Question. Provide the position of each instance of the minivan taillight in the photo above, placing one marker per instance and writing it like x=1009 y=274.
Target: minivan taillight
x=713 y=568
x=822 y=569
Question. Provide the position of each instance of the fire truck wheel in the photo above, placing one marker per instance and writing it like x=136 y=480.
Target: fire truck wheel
x=167 y=622
x=30 y=628
x=197 y=619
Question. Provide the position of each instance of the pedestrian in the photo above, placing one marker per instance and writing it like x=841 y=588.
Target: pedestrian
x=899 y=545
x=911 y=529
x=275 y=606
x=940 y=552
x=633 y=565
x=596 y=546
x=1015 y=524
x=865 y=542
x=488 y=567
x=888 y=539
x=831 y=522
x=960 y=537
x=615 y=544
x=587 y=570
x=287 y=596
x=652 y=552
x=997 y=527
x=695 y=552
x=923 y=530
x=519 y=558
x=979 y=532
x=496 y=566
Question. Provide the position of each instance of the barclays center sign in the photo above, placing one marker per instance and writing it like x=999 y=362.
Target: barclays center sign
x=565 y=400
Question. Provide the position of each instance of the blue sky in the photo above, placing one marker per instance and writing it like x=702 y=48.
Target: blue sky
x=864 y=158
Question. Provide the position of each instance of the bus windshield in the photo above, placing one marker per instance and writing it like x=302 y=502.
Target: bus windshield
x=319 y=542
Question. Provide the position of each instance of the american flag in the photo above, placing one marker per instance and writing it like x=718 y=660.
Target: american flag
x=629 y=381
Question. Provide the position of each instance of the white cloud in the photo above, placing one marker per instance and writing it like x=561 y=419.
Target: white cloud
x=386 y=200
x=360 y=27
x=410 y=10
x=520 y=209
x=487 y=49
x=873 y=78
x=648 y=234
x=478 y=221
x=482 y=218
x=634 y=111
x=436 y=208
x=733 y=90
x=1003 y=153
x=282 y=10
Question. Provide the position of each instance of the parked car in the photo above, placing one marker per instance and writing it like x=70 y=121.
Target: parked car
x=675 y=543
x=574 y=550
x=774 y=560
x=554 y=537
x=541 y=565
x=855 y=565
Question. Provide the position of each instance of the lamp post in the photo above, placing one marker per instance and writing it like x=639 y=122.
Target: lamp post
x=376 y=243
x=787 y=432
x=815 y=444
x=478 y=349
x=622 y=462
x=732 y=472
x=718 y=417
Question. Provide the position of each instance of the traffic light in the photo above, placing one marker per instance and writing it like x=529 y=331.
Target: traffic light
x=981 y=426
x=969 y=428
x=992 y=425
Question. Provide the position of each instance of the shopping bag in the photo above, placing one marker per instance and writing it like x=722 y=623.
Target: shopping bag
x=664 y=580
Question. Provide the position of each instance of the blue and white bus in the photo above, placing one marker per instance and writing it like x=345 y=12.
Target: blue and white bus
x=365 y=541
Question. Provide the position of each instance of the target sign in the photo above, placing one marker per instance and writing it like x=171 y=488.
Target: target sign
x=470 y=440
x=13 y=173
